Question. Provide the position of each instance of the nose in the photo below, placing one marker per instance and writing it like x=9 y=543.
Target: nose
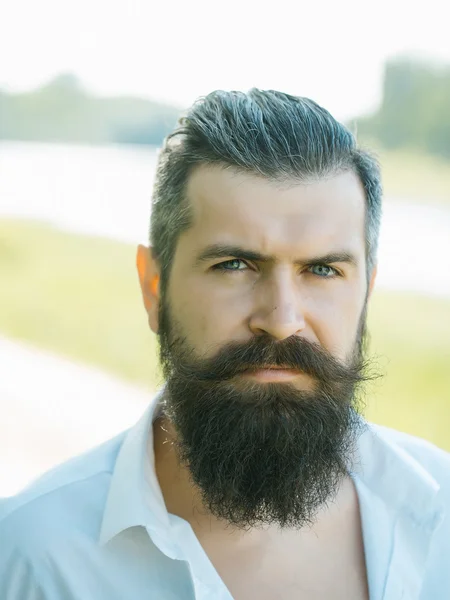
x=278 y=309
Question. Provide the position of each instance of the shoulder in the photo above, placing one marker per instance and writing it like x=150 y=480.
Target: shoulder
x=435 y=460
x=58 y=500
x=53 y=522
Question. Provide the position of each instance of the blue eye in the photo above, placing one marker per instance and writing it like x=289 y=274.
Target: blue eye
x=324 y=271
x=231 y=265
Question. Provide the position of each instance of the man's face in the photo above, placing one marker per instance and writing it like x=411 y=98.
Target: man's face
x=259 y=328
x=222 y=299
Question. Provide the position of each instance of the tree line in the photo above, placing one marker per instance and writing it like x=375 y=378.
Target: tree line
x=415 y=109
x=62 y=111
x=414 y=113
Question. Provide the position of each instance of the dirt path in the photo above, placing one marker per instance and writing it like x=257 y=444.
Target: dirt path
x=53 y=409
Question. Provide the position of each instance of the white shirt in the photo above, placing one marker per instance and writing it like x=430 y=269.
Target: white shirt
x=96 y=527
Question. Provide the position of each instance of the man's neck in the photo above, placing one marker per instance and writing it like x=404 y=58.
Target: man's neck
x=183 y=498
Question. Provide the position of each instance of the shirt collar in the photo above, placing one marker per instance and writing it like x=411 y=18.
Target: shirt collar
x=393 y=475
x=135 y=497
x=400 y=508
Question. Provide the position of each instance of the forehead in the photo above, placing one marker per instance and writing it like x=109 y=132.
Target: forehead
x=240 y=208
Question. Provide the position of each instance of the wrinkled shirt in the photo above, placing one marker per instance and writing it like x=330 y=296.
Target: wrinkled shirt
x=96 y=527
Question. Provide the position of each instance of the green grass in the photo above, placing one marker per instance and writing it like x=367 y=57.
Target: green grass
x=75 y=295
x=411 y=334
x=79 y=296
x=414 y=177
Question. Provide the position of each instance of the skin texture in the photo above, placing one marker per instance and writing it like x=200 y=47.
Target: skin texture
x=278 y=297
x=284 y=292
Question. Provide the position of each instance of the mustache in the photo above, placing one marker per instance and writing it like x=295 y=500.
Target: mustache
x=264 y=352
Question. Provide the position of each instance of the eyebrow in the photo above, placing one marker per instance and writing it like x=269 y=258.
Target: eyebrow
x=215 y=251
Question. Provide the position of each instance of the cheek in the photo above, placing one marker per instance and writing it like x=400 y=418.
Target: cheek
x=334 y=318
x=207 y=314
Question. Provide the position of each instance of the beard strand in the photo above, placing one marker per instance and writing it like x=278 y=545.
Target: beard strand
x=274 y=458
x=262 y=453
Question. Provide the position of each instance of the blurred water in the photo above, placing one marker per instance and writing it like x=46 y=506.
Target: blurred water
x=106 y=191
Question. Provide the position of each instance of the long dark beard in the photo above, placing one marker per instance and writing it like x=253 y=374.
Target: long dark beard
x=262 y=453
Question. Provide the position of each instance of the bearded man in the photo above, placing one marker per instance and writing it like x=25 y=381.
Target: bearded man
x=253 y=474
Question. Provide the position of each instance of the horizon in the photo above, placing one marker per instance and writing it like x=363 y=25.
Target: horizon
x=136 y=50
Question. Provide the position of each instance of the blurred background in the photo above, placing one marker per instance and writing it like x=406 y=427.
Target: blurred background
x=88 y=90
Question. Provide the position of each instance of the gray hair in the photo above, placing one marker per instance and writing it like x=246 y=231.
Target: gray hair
x=269 y=133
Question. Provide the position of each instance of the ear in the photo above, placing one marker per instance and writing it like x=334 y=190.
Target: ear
x=372 y=281
x=149 y=274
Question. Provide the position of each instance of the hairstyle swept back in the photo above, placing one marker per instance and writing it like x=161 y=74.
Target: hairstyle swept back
x=269 y=133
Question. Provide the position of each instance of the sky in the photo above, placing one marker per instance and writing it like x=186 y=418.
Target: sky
x=333 y=52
